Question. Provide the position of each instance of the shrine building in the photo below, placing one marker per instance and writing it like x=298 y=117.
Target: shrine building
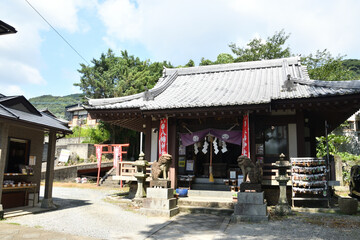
x=204 y=107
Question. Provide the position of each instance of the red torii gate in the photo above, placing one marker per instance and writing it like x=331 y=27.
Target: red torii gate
x=115 y=149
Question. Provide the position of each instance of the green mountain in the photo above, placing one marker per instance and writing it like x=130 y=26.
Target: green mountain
x=56 y=104
x=353 y=65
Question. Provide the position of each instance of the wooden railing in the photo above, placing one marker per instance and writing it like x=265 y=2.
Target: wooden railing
x=127 y=171
x=270 y=172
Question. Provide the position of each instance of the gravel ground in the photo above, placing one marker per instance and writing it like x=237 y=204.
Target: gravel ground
x=84 y=212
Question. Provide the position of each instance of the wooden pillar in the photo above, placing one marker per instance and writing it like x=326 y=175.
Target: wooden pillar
x=172 y=150
x=252 y=136
x=47 y=202
x=148 y=139
x=4 y=135
x=300 y=134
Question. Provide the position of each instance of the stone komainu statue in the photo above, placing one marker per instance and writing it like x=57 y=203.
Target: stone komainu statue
x=249 y=168
x=161 y=167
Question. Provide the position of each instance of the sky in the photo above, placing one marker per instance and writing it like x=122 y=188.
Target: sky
x=36 y=61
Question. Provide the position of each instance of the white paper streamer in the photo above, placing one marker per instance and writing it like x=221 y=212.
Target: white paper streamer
x=216 y=149
x=205 y=146
x=224 y=149
x=196 y=148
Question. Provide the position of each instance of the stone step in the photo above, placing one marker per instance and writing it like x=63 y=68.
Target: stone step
x=206 y=181
x=203 y=202
x=210 y=186
x=204 y=210
x=211 y=194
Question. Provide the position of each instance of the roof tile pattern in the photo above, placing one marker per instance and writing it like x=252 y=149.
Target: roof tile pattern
x=229 y=85
x=41 y=119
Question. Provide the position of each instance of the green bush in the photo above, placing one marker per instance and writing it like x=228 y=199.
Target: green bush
x=334 y=143
x=348 y=161
x=93 y=135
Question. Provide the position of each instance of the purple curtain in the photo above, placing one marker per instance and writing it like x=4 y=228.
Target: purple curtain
x=233 y=137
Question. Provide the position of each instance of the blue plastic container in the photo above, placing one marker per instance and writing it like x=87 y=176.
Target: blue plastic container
x=182 y=192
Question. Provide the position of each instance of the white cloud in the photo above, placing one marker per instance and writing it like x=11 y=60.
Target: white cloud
x=21 y=59
x=122 y=19
x=18 y=72
x=11 y=90
x=180 y=30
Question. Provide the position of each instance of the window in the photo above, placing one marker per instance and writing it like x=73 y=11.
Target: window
x=18 y=155
x=276 y=140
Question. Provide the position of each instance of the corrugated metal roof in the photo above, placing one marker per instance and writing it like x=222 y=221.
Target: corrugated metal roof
x=233 y=84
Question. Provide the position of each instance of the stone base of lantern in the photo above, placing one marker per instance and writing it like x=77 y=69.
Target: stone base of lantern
x=162 y=183
x=282 y=209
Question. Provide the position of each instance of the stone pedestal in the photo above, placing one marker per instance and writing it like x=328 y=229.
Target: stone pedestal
x=250 y=186
x=160 y=202
x=250 y=206
x=162 y=183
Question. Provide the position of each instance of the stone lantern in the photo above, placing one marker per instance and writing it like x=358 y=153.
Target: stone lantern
x=283 y=207
x=140 y=175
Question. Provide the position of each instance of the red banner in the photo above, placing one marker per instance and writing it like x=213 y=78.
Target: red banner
x=116 y=156
x=245 y=148
x=98 y=155
x=163 y=138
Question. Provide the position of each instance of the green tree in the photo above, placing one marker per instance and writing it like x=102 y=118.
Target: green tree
x=257 y=49
x=112 y=76
x=205 y=62
x=190 y=63
x=223 y=58
x=353 y=65
x=323 y=66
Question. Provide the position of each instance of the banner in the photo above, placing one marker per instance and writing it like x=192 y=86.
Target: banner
x=245 y=150
x=98 y=155
x=116 y=156
x=163 y=137
x=233 y=137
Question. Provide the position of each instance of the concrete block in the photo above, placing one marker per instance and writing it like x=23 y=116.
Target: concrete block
x=157 y=203
x=163 y=193
x=250 y=209
x=251 y=197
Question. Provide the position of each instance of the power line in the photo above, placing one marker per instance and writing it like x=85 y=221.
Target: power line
x=57 y=32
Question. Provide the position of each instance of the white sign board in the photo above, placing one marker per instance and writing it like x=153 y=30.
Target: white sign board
x=64 y=155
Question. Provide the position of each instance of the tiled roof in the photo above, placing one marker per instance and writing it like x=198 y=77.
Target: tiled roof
x=6 y=28
x=39 y=119
x=233 y=84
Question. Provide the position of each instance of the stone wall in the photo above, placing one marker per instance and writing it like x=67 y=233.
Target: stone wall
x=63 y=173
x=66 y=141
x=83 y=150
